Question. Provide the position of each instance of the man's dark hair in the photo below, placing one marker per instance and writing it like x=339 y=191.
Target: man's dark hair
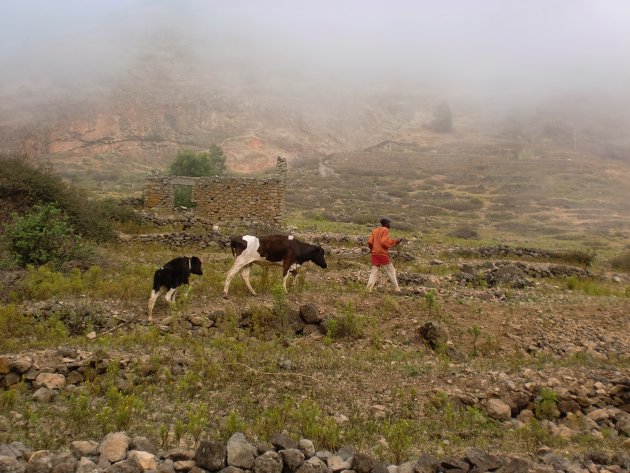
x=385 y=221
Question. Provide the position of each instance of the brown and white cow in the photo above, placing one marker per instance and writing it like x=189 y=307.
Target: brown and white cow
x=281 y=249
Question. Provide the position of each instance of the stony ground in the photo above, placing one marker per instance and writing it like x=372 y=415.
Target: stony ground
x=476 y=352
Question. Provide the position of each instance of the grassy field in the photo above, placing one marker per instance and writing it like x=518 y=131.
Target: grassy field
x=369 y=380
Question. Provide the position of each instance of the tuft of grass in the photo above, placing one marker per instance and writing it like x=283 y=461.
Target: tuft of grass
x=346 y=324
x=545 y=404
x=581 y=257
x=621 y=262
x=593 y=287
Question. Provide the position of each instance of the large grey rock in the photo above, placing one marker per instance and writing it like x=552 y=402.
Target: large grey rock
x=306 y=447
x=44 y=395
x=145 y=459
x=313 y=465
x=87 y=466
x=65 y=467
x=310 y=313
x=143 y=444
x=130 y=465
x=268 y=462
x=41 y=461
x=336 y=463
x=231 y=469
x=114 y=447
x=84 y=448
x=184 y=465
x=516 y=465
x=482 y=460
x=434 y=335
x=556 y=461
x=362 y=463
x=427 y=464
x=281 y=441
x=497 y=409
x=454 y=464
x=210 y=455
x=292 y=458
x=49 y=380
x=407 y=467
x=240 y=453
x=10 y=464
x=166 y=467
x=14 y=449
x=346 y=452
x=22 y=364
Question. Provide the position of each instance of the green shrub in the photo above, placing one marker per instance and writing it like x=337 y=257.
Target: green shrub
x=582 y=257
x=44 y=236
x=347 y=324
x=622 y=262
x=183 y=197
x=465 y=233
x=545 y=404
x=27 y=185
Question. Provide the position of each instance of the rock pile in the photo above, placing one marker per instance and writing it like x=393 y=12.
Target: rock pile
x=181 y=216
x=505 y=251
x=117 y=453
x=66 y=367
x=515 y=275
x=180 y=239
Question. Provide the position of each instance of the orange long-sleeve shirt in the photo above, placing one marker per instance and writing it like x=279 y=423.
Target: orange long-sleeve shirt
x=379 y=241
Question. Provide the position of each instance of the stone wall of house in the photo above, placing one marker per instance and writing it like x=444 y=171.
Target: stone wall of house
x=224 y=199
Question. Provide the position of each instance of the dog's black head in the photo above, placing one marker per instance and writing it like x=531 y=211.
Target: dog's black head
x=195 y=266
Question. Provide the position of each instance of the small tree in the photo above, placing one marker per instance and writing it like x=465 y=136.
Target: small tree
x=199 y=163
x=217 y=158
x=442 y=118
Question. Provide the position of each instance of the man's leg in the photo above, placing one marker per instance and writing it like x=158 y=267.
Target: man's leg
x=372 y=280
x=391 y=273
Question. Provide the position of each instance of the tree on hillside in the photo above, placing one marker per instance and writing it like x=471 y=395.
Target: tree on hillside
x=199 y=163
x=442 y=118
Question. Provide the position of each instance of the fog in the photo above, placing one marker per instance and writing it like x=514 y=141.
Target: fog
x=515 y=53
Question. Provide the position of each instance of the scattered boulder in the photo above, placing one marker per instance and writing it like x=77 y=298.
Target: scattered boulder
x=211 y=455
x=114 y=447
x=240 y=453
x=497 y=409
x=310 y=313
x=435 y=335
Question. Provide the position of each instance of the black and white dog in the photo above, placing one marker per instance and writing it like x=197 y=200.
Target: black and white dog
x=170 y=276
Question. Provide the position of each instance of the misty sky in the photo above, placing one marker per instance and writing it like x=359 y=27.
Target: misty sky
x=497 y=46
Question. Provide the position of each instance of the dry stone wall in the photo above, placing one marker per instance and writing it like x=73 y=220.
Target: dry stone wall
x=224 y=199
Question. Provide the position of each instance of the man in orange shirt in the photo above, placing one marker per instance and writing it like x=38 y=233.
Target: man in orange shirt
x=380 y=243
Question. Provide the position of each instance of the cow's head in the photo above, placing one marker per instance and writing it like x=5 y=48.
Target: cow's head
x=195 y=266
x=317 y=257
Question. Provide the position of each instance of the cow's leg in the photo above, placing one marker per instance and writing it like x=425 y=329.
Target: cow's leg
x=240 y=262
x=288 y=270
x=170 y=295
x=154 y=297
x=245 y=276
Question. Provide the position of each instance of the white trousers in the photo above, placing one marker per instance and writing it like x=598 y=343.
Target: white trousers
x=391 y=274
